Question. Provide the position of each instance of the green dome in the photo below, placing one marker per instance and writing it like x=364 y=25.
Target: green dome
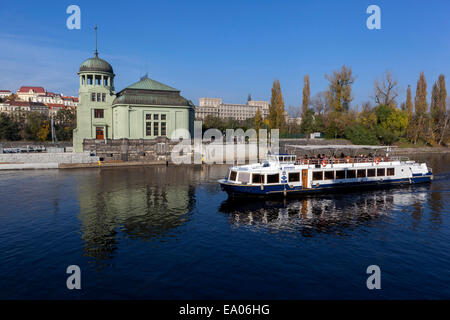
x=96 y=65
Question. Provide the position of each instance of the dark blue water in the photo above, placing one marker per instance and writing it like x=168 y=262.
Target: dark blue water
x=171 y=233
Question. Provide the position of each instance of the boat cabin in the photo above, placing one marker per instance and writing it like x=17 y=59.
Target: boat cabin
x=282 y=158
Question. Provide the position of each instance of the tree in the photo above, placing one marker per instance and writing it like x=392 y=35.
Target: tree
x=9 y=129
x=421 y=107
x=438 y=110
x=442 y=94
x=276 y=109
x=434 y=106
x=43 y=131
x=38 y=126
x=65 y=123
x=307 y=124
x=306 y=95
x=258 y=121
x=339 y=94
x=359 y=134
x=319 y=103
x=386 y=90
x=409 y=104
x=12 y=97
x=392 y=120
x=420 y=102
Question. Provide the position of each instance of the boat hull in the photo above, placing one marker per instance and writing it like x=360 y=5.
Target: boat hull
x=285 y=189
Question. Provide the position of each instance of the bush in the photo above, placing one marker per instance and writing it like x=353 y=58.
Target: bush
x=359 y=134
x=9 y=129
x=387 y=137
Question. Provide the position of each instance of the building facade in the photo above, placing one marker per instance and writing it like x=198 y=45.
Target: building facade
x=216 y=108
x=16 y=107
x=146 y=109
x=27 y=93
x=4 y=94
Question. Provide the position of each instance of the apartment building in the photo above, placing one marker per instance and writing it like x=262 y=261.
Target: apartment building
x=215 y=107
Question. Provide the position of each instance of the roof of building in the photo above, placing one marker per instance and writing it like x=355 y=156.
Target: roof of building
x=69 y=98
x=26 y=104
x=26 y=89
x=151 y=92
x=149 y=84
x=96 y=64
x=55 y=105
x=5 y=91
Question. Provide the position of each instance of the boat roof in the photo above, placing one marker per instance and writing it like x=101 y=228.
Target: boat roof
x=339 y=146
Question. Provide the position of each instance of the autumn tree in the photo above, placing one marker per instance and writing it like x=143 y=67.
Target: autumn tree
x=409 y=104
x=438 y=109
x=306 y=95
x=65 y=123
x=420 y=107
x=420 y=101
x=258 y=121
x=434 y=106
x=339 y=94
x=276 y=109
x=385 y=90
x=11 y=97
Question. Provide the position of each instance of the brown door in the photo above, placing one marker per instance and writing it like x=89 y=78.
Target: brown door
x=304 y=178
x=99 y=133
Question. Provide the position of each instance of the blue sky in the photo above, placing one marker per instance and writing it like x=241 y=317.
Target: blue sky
x=226 y=49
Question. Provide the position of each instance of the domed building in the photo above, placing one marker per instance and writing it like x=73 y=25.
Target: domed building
x=146 y=109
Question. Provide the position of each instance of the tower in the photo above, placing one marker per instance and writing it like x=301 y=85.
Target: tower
x=96 y=94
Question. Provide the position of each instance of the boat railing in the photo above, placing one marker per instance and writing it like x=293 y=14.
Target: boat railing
x=348 y=160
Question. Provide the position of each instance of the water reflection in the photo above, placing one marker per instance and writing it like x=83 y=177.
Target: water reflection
x=330 y=214
x=143 y=203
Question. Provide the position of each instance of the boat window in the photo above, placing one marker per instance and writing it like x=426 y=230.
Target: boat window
x=257 y=178
x=390 y=171
x=381 y=172
x=244 y=177
x=340 y=174
x=273 y=178
x=361 y=173
x=233 y=175
x=294 y=176
x=371 y=172
x=317 y=175
x=351 y=174
x=329 y=175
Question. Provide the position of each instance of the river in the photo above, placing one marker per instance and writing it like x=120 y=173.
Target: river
x=161 y=232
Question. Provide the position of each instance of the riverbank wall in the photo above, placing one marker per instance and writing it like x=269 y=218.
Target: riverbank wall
x=143 y=152
x=51 y=160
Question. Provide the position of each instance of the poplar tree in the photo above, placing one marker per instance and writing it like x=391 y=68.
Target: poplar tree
x=306 y=95
x=409 y=103
x=420 y=102
x=435 y=103
x=442 y=94
x=421 y=108
x=276 y=109
x=439 y=112
x=258 y=121
x=339 y=94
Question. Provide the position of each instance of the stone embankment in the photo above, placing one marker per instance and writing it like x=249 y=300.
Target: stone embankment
x=16 y=161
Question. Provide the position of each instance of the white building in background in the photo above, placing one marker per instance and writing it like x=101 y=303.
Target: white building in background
x=4 y=93
x=27 y=93
x=215 y=107
x=40 y=95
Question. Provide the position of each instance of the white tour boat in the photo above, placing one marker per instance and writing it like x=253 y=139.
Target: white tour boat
x=285 y=174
